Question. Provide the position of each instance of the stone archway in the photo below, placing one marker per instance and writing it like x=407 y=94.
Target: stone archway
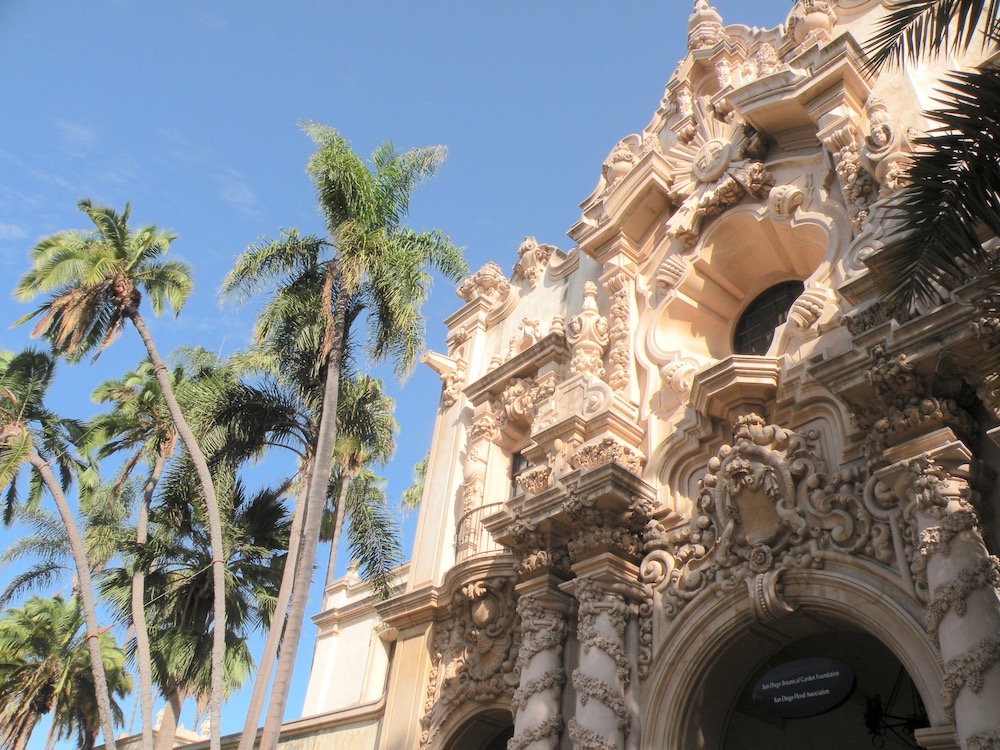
x=488 y=730
x=716 y=649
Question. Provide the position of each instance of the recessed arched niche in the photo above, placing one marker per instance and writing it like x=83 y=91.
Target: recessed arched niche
x=703 y=293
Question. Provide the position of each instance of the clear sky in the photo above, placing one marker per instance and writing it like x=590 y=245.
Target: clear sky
x=190 y=111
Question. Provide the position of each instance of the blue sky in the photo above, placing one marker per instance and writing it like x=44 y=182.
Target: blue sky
x=189 y=110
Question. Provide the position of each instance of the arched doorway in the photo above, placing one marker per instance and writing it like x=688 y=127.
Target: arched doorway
x=488 y=730
x=696 y=697
x=881 y=711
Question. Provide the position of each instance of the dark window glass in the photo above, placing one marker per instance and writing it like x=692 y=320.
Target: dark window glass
x=756 y=325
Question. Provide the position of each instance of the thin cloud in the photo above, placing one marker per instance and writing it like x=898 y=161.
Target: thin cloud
x=12 y=232
x=77 y=138
x=236 y=193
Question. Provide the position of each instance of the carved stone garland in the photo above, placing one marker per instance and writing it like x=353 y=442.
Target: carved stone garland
x=602 y=717
x=474 y=653
x=620 y=352
x=964 y=580
x=767 y=504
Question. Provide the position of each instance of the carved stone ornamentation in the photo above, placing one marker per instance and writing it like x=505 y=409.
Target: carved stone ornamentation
x=528 y=334
x=705 y=27
x=856 y=184
x=619 y=336
x=670 y=272
x=607 y=451
x=767 y=60
x=811 y=23
x=806 y=311
x=766 y=504
x=717 y=169
x=904 y=405
x=536 y=706
x=622 y=159
x=784 y=199
x=679 y=375
x=488 y=283
x=886 y=151
x=601 y=633
x=474 y=652
x=532 y=260
x=451 y=370
x=588 y=333
x=535 y=480
x=518 y=404
x=963 y=614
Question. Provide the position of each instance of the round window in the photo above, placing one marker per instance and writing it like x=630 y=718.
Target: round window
x=755 y=328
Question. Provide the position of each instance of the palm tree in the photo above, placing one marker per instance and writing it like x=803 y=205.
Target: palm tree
x=97 y=279
x=365 y=437
x=139 y=424
x=45 y=668
x=368 y=254
x=954 y=184
x=25 y=426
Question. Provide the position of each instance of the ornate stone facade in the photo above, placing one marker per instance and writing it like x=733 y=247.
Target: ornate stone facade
x=630 y=517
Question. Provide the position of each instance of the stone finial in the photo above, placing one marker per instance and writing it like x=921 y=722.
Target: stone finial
x=588 y=334
x=488 y=282
x=704 y=26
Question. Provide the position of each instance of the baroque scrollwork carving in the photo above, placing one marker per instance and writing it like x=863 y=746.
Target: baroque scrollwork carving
x=856 y=184
x=532 y=260
x=904 y=405
x=718 y=168
x=488 y=282
x=608 y=450
x=766 y=504
x=475 y=652
x=886 y=151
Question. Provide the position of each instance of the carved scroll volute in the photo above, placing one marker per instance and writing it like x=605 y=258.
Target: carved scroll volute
x=487 y=283
x=588 y=333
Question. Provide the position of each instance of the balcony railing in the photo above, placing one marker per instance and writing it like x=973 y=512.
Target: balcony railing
x=471 y=539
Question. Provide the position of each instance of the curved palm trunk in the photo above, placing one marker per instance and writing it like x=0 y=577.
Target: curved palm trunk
x=139 y=610
x=267 y=658
x=86 y=593
x=214 y=528
x=315 y=499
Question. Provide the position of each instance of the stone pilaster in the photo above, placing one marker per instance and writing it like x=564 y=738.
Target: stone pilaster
x=538 y=720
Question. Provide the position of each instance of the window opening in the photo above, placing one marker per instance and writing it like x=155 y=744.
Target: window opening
x=755 y=328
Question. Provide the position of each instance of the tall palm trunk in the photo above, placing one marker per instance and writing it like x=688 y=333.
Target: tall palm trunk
x=315 y=500
x=266 y=664
x=214 y=527
x=338 y=525
x=86 y=593
x=143 y=657
x=168 y=725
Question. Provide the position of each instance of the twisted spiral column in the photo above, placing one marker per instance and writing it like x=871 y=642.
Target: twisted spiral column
x=538 y=720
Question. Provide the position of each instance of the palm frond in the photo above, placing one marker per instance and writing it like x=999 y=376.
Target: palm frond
x=953 y=193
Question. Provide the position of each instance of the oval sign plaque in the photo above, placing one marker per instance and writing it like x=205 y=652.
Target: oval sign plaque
x=804 y=687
